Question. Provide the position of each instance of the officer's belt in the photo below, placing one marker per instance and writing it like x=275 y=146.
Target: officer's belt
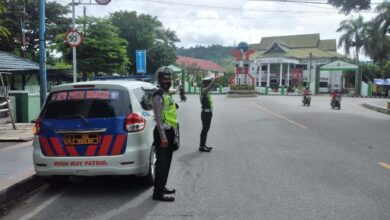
x=166 y=127
x=206 y=110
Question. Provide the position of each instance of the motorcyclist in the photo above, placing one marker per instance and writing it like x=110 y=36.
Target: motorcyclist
x=335 y=93
x=306 y=92
x=182 y=94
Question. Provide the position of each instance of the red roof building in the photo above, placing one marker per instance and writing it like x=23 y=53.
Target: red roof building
x=194 y=63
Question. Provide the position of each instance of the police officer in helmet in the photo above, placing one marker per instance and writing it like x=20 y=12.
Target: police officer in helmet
x=207 y=111
x=164 y=107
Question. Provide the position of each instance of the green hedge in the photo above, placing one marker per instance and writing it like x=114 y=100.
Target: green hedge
x=242 y=87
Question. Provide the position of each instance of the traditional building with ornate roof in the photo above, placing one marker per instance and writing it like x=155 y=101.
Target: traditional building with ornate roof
x=289 y=61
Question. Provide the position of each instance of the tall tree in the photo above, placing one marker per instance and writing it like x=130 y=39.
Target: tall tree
x=346 y=6
x=147 y=33
x=137 y=30
x=21 y=19
x=160 y=55
x=3 y=31
x=383 y=18
x=353 y=31
x=167 y=36
x=376 y=43
x=102 y=50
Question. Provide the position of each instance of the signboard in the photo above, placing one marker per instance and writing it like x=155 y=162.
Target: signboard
x=297 y=75
x=73 y=38
x=382 y=82
x=102 y=2
x=140 y=61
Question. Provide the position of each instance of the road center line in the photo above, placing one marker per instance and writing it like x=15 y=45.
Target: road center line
x=278 y=115
x=385 y=165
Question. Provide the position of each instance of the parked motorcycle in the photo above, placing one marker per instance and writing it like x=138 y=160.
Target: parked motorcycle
x=336 y=102
x=306 y=100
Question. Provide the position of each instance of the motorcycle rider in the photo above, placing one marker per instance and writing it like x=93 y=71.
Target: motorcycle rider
x=306 y=92
x=335 y=93
x=182 y=94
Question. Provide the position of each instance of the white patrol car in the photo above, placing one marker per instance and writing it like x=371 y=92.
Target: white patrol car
x=96 y=128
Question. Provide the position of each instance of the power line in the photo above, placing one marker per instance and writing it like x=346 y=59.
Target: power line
x=294 y=1
x=231 y=8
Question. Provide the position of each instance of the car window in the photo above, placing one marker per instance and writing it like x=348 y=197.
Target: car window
x=144 y=97
x=88 y=103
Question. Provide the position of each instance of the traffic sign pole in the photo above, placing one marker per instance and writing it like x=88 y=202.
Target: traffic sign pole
x=74 y=48
x=42 y=51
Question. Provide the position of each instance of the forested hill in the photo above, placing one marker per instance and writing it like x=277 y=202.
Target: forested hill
x=216 y=53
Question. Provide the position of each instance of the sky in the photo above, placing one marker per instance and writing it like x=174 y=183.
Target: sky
x=228 y=22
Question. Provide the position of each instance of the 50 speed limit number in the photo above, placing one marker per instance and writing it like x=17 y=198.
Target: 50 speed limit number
x=73 y=38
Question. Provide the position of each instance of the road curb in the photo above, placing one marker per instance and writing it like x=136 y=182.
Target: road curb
x=375 y=108
x=10 y=194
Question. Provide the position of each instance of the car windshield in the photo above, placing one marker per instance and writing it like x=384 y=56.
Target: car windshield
x=85 y=104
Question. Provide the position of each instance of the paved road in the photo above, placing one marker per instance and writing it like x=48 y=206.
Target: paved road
x=272 y=159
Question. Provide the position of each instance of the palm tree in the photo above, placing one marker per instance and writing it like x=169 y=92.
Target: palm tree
x=376 y=44
x=353 y=35
x=3 y=31
x=167 y=36
x=383 y=18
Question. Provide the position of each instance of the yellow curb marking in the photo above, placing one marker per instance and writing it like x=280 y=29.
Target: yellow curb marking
x=385 y=165
x=278 y=115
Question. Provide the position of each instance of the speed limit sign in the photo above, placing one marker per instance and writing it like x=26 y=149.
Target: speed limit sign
x=102 y=2
x=73 y=38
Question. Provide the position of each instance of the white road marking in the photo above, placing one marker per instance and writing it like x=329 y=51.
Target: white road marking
x=41 y=207
x=131 y=204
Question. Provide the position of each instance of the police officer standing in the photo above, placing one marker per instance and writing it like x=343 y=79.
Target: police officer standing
x=207 y=111
x=164 y=107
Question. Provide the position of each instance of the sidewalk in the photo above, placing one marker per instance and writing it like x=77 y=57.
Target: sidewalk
x=378 y=105
x=23 y=132
x=17 y=175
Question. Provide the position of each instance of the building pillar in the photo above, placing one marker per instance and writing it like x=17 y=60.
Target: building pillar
x=280 y=74
x=268 y=74
x=288 y=75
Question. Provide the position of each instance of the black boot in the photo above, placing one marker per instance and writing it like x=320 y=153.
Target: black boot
x=163 y=197
x=205 y=148
x=168 y=190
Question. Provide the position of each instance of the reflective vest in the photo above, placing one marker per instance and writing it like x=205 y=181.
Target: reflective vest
x=169 y=111
x=207 y=101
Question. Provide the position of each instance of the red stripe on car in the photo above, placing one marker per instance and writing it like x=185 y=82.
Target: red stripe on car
x=57 y=146
x=46 y=146
x=72 y=151
x=120 y=139
x=105 y=145
x=91 y=150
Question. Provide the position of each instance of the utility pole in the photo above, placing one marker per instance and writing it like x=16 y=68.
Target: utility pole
x=42 y=51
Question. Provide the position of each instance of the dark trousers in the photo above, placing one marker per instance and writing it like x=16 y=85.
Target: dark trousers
x=206 y=121
x=164 y=158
